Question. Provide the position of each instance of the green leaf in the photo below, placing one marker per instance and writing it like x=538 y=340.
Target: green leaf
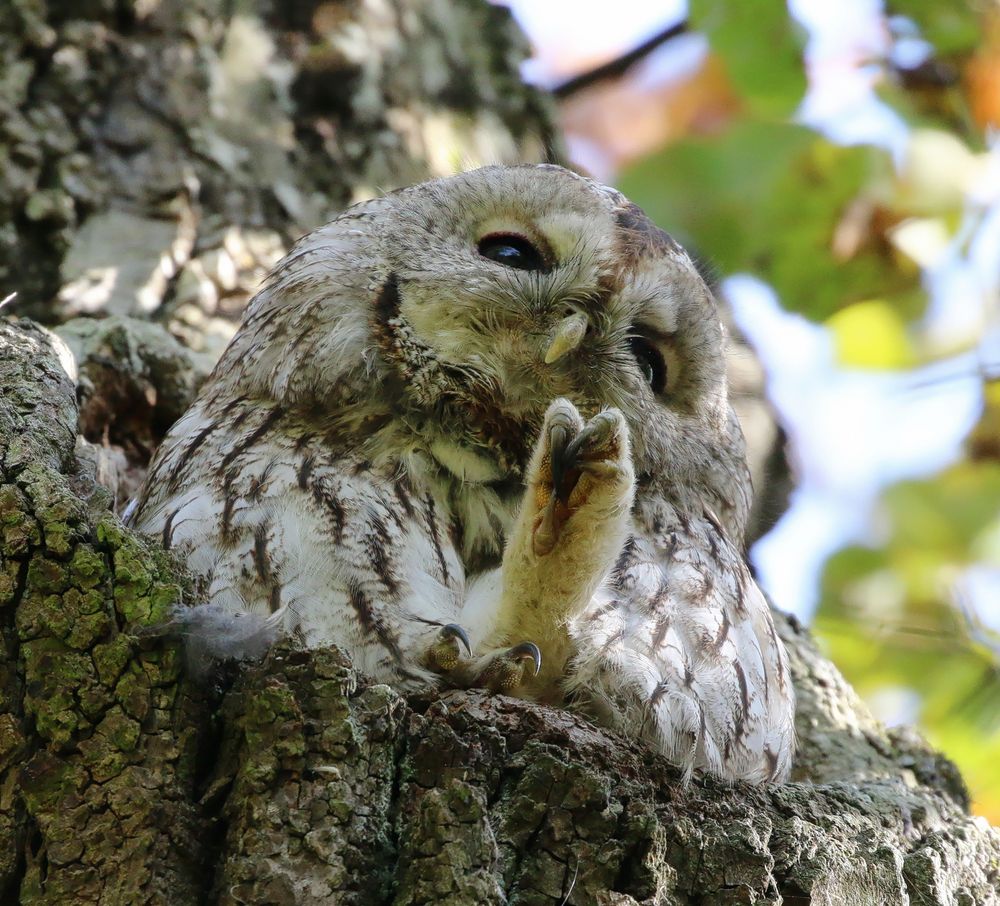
x=888 y=619
x=762 y=50
x=871 y=334
x=952 y=26
x=944 y=516
x=766 y=198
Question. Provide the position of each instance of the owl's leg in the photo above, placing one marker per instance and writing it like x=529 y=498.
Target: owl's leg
x=572 y=526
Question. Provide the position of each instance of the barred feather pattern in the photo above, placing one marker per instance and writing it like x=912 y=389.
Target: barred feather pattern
x=679 y=648
x=408 y=435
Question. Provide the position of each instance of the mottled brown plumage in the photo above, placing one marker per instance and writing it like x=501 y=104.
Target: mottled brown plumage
x=489 y=411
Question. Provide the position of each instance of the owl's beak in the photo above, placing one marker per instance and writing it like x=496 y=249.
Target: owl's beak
x=567 y=337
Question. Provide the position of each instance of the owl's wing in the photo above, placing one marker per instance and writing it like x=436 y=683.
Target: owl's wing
x=288 y=536
x=678 y=647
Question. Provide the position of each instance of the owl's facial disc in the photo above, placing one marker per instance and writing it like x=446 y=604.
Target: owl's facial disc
x=536 y=325
x=507 y=301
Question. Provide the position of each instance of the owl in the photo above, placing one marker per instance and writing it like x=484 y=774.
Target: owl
x=476 y=432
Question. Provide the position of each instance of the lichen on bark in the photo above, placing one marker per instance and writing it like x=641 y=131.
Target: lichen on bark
x=161 y=154
x=99 y=756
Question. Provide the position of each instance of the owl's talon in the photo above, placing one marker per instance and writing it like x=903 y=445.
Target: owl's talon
x=573 y=448
x=585 y=452
x=559 y=443
x=446 y=653
x=453 y=630
x=505 y=671
x=527 y=651
x=546 y=532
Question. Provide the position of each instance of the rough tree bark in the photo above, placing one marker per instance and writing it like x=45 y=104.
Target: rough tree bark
x=158 y=155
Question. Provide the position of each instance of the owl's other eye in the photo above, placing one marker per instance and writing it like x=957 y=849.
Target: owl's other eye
x=513 y=251
x=651 y=363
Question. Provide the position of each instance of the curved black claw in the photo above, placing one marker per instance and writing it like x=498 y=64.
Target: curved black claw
x=527 y=651
x=505 y=670
x=445 y=654
x=559 y=443
x=567 y=458
x=454 y=631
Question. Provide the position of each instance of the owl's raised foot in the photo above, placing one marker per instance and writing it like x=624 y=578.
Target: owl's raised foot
x=445 y=654
x=593 y=450
x=504 y=671
x=586 y=463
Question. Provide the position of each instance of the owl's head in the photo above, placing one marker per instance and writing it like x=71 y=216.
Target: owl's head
x=458 y=309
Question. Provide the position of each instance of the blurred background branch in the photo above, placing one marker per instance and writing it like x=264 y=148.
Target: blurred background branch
x=620 y=65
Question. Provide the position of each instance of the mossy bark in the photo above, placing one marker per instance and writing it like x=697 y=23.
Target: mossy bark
x=158 y=156
x=100 y=737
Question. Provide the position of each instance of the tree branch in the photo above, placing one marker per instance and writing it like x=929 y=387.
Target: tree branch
x=620 y=65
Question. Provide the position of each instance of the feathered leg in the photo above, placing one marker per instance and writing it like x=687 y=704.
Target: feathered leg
x=571 y=526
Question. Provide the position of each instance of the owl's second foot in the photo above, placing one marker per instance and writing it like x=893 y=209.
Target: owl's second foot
x=586 y=464
x=505 y=671
x=445 y=653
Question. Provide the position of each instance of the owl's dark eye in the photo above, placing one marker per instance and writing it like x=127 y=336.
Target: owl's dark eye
x=513 y=251
x=651 y=363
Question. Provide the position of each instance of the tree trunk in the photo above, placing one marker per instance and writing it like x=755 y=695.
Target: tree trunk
x=159 y=155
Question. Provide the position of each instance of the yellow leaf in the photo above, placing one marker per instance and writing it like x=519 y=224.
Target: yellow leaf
x=871 y=335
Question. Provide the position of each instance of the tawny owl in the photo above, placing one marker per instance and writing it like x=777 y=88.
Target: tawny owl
x=476 y=432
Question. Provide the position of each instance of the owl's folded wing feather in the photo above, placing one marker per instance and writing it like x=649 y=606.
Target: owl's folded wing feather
x=679 y=648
